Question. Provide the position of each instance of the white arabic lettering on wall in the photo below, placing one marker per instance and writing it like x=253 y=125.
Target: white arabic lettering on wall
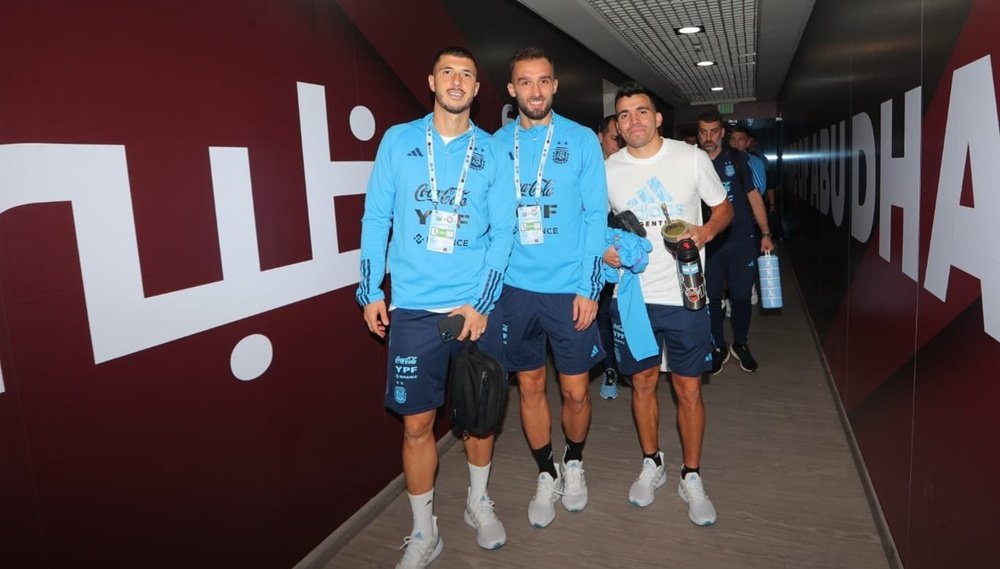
x=961 y=237
x=94 y=179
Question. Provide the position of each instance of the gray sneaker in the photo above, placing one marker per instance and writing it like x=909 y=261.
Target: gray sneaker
x=482 y=516
x=421 y=550
x=574 y=497
x=651 y=477
x=541 y=509
x=700 y=508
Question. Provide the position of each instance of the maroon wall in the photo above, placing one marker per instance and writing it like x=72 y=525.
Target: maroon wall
x=892 y=147
x=161 y=457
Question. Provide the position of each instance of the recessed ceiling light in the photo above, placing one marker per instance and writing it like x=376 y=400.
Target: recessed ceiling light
x=717 y=88
x=705 y=63
x=689 y=30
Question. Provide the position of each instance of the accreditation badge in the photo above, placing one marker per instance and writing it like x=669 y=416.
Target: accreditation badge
x=441 y=235
x=529 y=224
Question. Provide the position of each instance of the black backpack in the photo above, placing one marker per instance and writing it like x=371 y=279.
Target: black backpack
x=478 y=392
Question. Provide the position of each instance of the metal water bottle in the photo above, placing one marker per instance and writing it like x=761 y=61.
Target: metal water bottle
x=691 y=275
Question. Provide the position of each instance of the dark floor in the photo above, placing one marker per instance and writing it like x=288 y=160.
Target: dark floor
x=776 y=464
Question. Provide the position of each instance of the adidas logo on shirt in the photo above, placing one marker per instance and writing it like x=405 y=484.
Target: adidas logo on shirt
x=415 y=152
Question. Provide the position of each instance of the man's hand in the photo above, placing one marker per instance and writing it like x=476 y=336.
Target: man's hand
x=766 y=243
x=697 y=233
x=475 y=323
x=376 y=317
x=584 y=312
x=611 y=257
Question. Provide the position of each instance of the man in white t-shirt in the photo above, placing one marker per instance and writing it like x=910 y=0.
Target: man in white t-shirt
x=649 y=174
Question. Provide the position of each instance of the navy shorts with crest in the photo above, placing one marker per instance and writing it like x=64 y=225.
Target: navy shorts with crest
x=417 y=368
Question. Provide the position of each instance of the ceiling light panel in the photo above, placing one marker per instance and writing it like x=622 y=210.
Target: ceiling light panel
x=730 y=34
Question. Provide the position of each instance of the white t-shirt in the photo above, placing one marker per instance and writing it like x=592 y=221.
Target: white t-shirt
x=679 y=175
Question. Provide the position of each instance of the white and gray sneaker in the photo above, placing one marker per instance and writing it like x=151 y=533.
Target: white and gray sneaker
x=574 y=497
x=541 y=510
x=481 y=516
x=700 y=508
x=651 y=477
x=421 y=550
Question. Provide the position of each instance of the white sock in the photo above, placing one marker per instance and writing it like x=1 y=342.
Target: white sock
x=478 y=477
x=422 y=506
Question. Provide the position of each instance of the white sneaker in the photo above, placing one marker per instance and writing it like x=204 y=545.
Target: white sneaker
x=574 y=496
x=421 y=551
x=650 y=478
x=483 y=518
x=700 y=508
x=541 y=510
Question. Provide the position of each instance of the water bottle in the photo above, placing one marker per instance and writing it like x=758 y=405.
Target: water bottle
x=770 y=281
x=690 y=275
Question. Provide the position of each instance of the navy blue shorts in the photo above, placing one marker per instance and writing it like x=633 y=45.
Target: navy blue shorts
x=686 y=334
x=417 y=370
x=533 y=318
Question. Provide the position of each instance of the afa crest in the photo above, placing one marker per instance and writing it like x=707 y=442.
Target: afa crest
x=730 y=170
x=560 y=155
x=399 y=394
x=478 y=162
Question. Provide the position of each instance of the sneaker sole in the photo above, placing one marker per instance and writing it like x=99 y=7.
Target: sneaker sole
x=472 y=524
x=609 y=396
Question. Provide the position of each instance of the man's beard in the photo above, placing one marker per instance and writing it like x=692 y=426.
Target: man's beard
x=535 y=115
x=453 y=107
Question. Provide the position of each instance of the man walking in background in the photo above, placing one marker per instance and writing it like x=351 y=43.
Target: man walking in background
x=732 y=257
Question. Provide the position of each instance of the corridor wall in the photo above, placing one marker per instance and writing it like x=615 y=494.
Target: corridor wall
x=892 y=156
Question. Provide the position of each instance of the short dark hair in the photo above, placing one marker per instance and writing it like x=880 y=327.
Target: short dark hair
x=529 y=53
x=632 y=88
x=742 y=129
x=606 y=124
x=455 y=50
x=711 y=115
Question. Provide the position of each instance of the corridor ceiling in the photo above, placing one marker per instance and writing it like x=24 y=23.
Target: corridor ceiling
x=751 y=42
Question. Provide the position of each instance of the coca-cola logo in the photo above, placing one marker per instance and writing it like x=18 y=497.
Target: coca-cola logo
x=529 y=188
x=406 y=360
x=423 y=194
